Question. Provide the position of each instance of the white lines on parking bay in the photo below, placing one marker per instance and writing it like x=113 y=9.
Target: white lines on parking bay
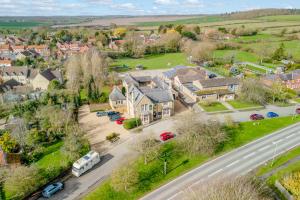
x=233 y=163
x=289 y=136
x=249 y=155
x=216 y=172
x=264 y=148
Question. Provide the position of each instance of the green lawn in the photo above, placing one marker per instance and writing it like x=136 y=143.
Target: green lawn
x=19 y=25
x=258 y=37
x=53 y=157
x=214 y=107
x=150 y=175
x=155 y=62
x=282 y=18
x=238 y=104
x=239 y=56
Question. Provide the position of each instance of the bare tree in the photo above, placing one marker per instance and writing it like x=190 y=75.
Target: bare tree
x=19 y=132
x=124 y=178
x=200 y=51
x=148 y=147
x=229 y=188
x=197 y=136
x=73 y=73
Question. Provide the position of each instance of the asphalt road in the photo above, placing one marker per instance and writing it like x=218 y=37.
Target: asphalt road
x=238 y=162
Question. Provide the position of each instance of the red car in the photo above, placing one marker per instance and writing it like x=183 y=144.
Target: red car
x=298 y=111
x=166 y=136
x=120 y=120
x=256 y=117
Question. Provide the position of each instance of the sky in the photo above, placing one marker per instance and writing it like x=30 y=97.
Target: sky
x=131 y=7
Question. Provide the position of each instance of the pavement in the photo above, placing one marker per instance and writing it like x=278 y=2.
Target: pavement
x=235 y=163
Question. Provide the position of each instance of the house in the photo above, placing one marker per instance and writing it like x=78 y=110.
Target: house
x=42 y=50
x=5 y=49
x=19 y=74
x=148 y=98
x=290 y=80
x=116 y=44
x=42 y=79
x=18 y=48
x=117 y=100
x=5 y=63
x=221 y=89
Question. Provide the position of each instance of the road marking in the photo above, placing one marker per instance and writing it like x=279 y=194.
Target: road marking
x=277 y=141
x=287 y=137
x=249 y=155
x=214 y=173
x=235 y=162
x=175 y=195
x=264 y=148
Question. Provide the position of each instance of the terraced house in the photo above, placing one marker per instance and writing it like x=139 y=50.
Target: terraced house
x=147 y=98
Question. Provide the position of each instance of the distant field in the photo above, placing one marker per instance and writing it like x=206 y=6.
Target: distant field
x=155 y=62
x=282 y=18
x=19 y=25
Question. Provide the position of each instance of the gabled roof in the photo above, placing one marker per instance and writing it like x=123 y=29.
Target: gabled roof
x=116 y=95
x=218 y=82
x=9 y=85
x=15 y=71
x=172 y=73
x=189 y=75
x=47 y=74
x=157 y=95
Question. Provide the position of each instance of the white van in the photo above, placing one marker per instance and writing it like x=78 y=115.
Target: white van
x=85 y=163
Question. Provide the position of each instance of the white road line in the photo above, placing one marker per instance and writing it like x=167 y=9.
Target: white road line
x=231 y=164
x=214 y=173
x=249 y=155
x=175 y=195
x=277 y=141
x=264 y=148
x=287 y=137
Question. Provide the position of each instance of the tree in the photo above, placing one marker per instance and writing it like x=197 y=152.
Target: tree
x=200 y=51
x=253 y=90
x=119 y=32
x=229 y=188
x=196 y=136
x=7 y=143
x=279 y=53
x=22 y=181
x=19 y=132
x=54 y=85
x=279 y=92
x=148 y=147
x=189 y=35
x=124 y=178
x=197 y=30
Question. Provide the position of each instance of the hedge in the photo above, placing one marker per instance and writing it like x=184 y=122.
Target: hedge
x=132 y=123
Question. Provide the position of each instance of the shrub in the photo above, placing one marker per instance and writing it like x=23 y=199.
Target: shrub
x=132 y=123
x=111 y=137
x=292 y=183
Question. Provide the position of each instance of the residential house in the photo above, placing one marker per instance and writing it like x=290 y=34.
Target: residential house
x=117 y=100
x=18 y=48
x=116 y=44
x=42 y=79
x=19 y=74
x=148 y=98
x=5 y=49
x=5 y=63
x=290 y=80
x=42 y=50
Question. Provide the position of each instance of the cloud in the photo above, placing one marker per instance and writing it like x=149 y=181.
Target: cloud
x=126 y=6
x=193 y=3
x=165 y=2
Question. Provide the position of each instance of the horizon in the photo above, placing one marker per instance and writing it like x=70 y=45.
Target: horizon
x=98 y=8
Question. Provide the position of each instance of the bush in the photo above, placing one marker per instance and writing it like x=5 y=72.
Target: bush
x=132 y=123
x=111 y=137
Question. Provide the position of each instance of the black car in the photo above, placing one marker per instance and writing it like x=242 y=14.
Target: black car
x=101 y=113
x=110 y=113
x=212 y=76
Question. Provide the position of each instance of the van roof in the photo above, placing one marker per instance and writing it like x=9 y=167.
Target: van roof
x=86 y=158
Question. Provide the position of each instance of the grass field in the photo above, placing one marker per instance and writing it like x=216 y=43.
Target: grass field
x=281 y=18
x=214 y=107
x=19 y=25
x=237 y=104
x=239 y=56
x=151 y=176
x=155 y=62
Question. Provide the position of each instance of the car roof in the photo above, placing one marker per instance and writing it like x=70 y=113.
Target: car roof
x=49 y=187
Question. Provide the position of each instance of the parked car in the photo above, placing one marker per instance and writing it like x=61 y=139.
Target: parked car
x=120 y=120
x=101 y=113
x=256 y=117
x=110 y=113
x=212 y=76
x=52 y=189
x=166 y=136
x=298 y=111
x=114 y=117
x=272 y=115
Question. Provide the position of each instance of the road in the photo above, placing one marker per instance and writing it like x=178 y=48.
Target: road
x=238 y=162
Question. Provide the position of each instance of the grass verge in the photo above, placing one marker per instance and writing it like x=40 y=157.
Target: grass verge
x=237 y=104
x=213 y=107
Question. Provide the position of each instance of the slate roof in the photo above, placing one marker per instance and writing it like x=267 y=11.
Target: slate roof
x=9 y=85
x=172 y=73
x=48 y=74
x=218 y=82
x=116 y=95
x=189 y=75
x=15 y=71
x=157 y=95
x=284 y=77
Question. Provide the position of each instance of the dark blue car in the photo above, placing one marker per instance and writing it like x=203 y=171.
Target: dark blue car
x=272 y=115
x=52 y=189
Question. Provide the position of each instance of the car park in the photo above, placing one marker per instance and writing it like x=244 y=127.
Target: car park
x=120 y=120
x=51 y=189
x=256 y=117
x=101 y=113
x=272 y=115
x=166 y=136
